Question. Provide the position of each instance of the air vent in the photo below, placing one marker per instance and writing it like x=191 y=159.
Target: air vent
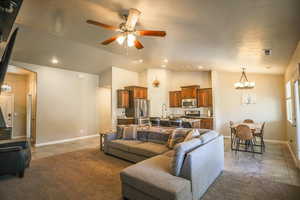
x=267 y=51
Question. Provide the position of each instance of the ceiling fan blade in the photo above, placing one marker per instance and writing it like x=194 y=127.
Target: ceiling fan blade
x=151 y=33
x=102 y=25
x=132 y=18
x=110 y=40
x=138 y=44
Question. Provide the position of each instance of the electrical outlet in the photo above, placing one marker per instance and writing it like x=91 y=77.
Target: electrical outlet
x=81 y=131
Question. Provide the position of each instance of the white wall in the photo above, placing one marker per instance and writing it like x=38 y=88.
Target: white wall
x=292 y=73
x=104 y=99
x=66 y=103
x=269 y=105
x=158 y=95
x=179 y=79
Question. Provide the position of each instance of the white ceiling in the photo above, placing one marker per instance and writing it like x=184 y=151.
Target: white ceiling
x=216 y=34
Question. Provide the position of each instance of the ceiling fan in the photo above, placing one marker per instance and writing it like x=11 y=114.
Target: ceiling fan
x=126 y=30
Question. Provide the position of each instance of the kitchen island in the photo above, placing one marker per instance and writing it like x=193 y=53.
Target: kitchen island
x=175 y=122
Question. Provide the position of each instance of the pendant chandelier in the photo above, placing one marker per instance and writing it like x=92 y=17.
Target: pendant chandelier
x=244 y=83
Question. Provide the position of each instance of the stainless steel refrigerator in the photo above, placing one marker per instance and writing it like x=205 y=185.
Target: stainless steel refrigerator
x=139 y=110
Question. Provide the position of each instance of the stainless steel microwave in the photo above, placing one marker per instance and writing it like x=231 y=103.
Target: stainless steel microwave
x=189 y=103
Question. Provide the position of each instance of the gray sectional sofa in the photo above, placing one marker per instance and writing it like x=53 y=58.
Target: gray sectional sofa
x=182 y=173
x=147 y=145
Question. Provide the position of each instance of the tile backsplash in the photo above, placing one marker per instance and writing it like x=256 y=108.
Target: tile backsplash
x=180 y=111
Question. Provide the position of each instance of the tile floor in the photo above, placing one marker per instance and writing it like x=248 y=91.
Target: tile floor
x=275 y=164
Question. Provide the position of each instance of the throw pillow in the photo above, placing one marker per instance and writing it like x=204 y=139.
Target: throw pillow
x=120 y=129
x=191 y=134
x=130 y=132
x=177 y=136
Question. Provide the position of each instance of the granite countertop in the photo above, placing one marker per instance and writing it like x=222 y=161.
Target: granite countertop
x=123 y=117
x=199 y=117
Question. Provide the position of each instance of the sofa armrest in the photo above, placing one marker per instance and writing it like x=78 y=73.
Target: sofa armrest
x=10 y=149
x=24 y=144
x=203 y=165
x=108 y=137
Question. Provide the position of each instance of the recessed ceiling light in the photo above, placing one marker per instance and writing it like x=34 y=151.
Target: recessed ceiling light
x=164 y=66
x=141 y=60
x=200 y=67
x=54 y=61
x=166 y=60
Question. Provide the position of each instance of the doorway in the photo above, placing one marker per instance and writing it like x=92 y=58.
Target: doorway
x=19 y=102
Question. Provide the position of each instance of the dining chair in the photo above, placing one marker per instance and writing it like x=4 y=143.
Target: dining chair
x=232 y=133
x=248 y=121
x=244 y=133
x=260 y=134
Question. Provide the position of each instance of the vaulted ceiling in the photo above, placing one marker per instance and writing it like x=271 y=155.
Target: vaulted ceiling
x=215 y=34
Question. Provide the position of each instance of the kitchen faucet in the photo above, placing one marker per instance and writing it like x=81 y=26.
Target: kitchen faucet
x=164 y=110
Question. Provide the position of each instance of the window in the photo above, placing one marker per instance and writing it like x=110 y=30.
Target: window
x=289 y=102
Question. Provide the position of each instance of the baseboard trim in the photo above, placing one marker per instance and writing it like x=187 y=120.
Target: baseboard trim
x=18 y=137
x=266 y=140
x=296 y=161
x=66 y=140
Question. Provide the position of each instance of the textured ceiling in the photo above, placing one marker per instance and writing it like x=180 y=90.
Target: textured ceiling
x=215 y=34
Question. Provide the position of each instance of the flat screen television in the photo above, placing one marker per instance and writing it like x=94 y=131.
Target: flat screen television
x=8 y=12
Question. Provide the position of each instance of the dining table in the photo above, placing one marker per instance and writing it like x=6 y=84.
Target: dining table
x=255 y=127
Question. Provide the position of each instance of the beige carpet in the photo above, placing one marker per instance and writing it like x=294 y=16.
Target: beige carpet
x=91 y=175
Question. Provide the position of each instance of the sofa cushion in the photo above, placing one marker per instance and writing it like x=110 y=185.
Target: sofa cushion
x=152 y=176
x=180 y=152
x=158 y=137
x=148 y=149
x=208 y=136
x=130 y=132
x=142 y=135
x=123 y=145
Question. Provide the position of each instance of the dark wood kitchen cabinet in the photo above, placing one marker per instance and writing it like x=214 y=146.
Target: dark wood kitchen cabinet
x=125 y=121
x=137 y=92
x=206 y=123
x=123 y=98
x=204 y=97
x=189 y=92
x=175 y=99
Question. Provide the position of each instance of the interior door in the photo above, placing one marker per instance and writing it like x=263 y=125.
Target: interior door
x=7 y=107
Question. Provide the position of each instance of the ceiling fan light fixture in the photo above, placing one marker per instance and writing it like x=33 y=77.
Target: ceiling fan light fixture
x=130 y=40
x=120 y=39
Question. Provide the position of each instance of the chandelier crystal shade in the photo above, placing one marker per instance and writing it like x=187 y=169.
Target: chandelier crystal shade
x=244 y=83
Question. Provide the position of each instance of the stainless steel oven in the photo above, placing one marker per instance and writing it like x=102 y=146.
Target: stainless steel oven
x=189 y=103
